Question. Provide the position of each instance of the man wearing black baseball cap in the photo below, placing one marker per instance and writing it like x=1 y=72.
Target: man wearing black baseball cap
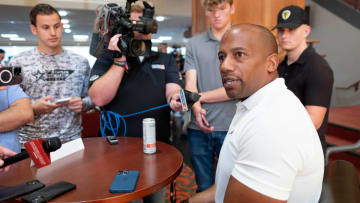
x=306 y=73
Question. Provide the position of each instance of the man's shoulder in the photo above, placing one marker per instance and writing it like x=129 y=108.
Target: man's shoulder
x=25 y=54
x=75 y=56
x=315 y=62
x=199 y=38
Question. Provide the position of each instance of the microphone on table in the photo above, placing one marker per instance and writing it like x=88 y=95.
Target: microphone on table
x=39 y=151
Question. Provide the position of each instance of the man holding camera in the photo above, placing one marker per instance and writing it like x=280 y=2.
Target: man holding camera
x=50 y=72
x=133 y=84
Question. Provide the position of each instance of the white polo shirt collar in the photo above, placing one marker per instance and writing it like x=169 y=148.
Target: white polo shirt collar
x=262 y=93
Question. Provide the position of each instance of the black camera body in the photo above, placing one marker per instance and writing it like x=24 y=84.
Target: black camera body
x=117 y=21
x=10 y=76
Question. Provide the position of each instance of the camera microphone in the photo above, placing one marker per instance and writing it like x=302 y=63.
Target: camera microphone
x=38 y=150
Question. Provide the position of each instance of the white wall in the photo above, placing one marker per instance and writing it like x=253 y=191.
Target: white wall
x=340 y=41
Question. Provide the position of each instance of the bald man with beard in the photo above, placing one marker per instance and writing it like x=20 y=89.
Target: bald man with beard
x=271 y=153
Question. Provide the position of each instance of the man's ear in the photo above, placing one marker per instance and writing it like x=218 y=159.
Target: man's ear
x=272 y=62
x=232 y=7
x=307 y=30
x=33 y=29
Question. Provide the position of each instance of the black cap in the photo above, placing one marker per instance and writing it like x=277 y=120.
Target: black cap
x=291 y=17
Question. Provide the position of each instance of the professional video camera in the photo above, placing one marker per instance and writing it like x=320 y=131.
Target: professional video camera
x=10 y=76
x=113 y=19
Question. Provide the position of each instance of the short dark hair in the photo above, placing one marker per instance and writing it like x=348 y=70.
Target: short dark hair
x=267 y=38
x=42 y=9
x=2 y=51
x=211 y=3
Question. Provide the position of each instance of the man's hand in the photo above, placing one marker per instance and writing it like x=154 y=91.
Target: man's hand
x=174 y=102
x=113 y=43
x=5 y=153
x=114 y=47
x=44 y=105
x=200 y=115
x=75 y=104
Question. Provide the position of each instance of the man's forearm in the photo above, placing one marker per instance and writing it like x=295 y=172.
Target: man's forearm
x=191 y=80
x=207 y=196
x=216 y=95
x=103 y=90
x=19 y=113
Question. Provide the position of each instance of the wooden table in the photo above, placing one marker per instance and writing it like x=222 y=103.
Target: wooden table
x=93 y=169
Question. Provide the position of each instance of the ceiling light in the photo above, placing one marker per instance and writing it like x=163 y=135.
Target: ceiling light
x=80 y=38
x=67 y=30
x=65 y=21
x=156 y=40
x=66 y=26
x=165 y=37
x=159 y=18
x=9 y=35
x=17 y=39
x=63 y=13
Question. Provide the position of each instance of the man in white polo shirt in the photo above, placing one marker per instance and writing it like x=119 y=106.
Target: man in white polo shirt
x=271 y=153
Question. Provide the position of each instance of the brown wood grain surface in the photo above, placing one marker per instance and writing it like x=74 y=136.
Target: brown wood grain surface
x=93 y=170
x=346 y=116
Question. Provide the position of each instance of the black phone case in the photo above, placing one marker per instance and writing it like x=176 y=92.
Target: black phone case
x=20 y=189
x=49 y=192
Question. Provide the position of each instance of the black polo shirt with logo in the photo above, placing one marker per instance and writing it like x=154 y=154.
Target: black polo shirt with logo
x=311 y=79
x=142 y=88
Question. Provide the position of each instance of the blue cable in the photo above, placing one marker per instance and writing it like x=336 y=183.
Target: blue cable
x=106 y=120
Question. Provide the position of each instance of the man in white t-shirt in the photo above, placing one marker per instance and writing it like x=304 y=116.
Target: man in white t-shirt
x=271 y=153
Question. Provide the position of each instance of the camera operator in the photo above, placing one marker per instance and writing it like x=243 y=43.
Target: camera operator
x=132 y=84
x=15 y=111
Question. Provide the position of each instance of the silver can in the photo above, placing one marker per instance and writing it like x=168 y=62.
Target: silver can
x=149 y=135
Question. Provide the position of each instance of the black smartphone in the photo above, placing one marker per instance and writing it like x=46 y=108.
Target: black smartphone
x=124 y=181
x=49 y=192
x=20 y=189
x=112 y=139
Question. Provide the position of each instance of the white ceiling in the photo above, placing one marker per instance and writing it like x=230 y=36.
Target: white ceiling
x=14 y=19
